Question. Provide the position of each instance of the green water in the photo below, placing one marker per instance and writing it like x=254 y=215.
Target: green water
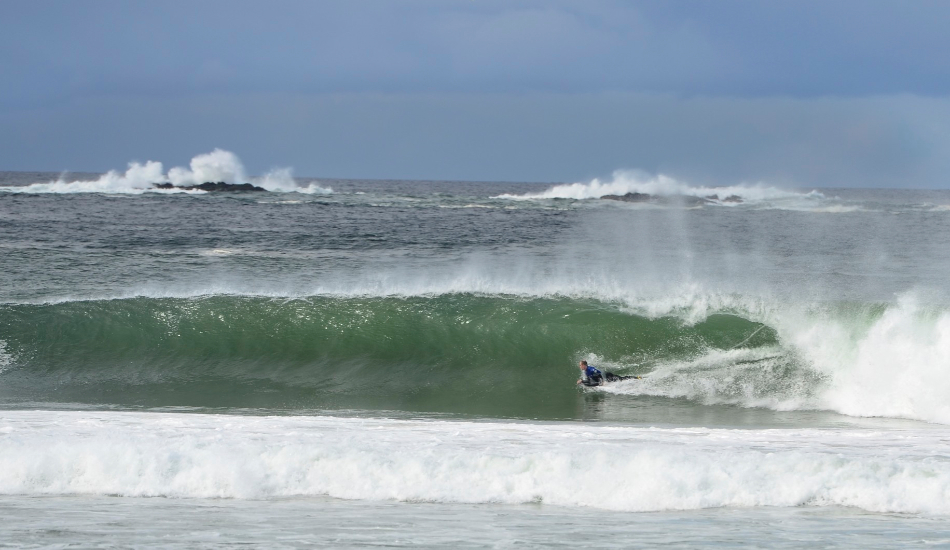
x=451 y=353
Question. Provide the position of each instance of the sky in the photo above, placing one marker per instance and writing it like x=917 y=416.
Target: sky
x=804 y=93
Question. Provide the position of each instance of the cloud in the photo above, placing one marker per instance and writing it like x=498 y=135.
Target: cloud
x=846 y=93
x=176 y=48
x=894 y=141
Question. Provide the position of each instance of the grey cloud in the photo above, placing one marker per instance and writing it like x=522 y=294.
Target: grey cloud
x=53 y=50
x=895 y=141
x=810 y=93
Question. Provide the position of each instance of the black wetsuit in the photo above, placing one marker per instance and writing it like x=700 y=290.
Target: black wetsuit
x=596 y=378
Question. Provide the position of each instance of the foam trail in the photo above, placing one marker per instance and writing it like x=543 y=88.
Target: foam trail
x=660 y=185
x=218 y=165
x=768 y=377
x=637 y=469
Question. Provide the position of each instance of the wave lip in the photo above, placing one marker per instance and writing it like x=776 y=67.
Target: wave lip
x=617 y=468
x=624 y=182
x=216 y=166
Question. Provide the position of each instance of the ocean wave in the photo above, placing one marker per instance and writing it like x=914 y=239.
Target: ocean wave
x=216 y=166
x=479 y=353
x=871 y=360
x=892 y=363
x=616 y=468
x=455 y=353
x=624 y=182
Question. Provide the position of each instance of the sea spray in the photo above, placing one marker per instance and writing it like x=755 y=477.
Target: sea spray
x=216 y=166
x=627 y=181
x=898 y=365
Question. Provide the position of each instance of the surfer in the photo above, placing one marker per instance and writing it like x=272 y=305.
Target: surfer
x=591 y=376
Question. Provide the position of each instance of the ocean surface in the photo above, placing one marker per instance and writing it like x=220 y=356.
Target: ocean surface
x=393 y=363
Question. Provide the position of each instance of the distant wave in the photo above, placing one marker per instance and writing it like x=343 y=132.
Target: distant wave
x=218 y=165
x=624 y=182
x=606 y=467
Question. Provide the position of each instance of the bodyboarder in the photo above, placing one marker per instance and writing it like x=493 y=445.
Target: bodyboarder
x=591 y=376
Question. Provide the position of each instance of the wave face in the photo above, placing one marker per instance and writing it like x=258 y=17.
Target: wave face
x=347 y=302
x=473 y=354
x=457 y=353
x=616 y=468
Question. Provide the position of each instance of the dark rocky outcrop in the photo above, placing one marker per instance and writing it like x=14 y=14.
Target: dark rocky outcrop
x=673 y=200
x=630 y=197
x=213 y=186
x=731 y=198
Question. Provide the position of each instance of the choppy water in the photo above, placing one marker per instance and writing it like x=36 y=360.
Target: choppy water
x=411 y=349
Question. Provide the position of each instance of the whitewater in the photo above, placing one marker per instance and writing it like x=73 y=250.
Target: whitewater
x=216 y=456
x=358 y=361
x=217 y=166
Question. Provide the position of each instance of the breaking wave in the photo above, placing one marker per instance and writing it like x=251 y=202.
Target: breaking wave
x=493 y=355
x=216 y=166
x=624 y=182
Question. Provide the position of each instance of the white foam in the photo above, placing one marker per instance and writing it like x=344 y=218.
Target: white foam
x=216 y=166
x=861 y=360
x=624 y=182
x=5 y=357
x=897 y=365
x=282 y=180
x=618 y=468
x=757 y=377
x=137 y=179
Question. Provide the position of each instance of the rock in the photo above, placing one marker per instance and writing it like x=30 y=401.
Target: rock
x=213 y=186
x=221 y=186
x=629 y=197
x=731 y=198
x=676 y=200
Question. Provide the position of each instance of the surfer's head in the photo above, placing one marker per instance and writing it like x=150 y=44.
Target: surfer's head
x=583 y=364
